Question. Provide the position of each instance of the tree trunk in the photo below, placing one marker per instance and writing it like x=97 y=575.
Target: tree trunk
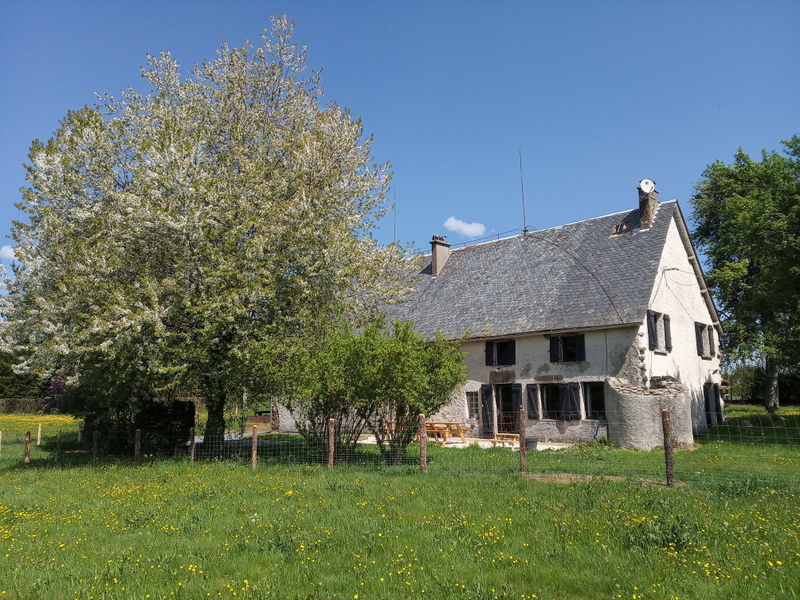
x=771 y=402
x=214 y=438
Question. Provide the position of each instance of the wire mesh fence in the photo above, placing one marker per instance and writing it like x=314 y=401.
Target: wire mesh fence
x=743 y=453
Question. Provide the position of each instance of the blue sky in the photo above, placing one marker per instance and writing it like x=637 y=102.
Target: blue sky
x=597 y=95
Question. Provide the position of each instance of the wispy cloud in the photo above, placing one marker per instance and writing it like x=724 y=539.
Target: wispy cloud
x=465 y=229
x=7 y=253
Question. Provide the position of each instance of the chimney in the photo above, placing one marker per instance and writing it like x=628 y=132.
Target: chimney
x=648 y=202
x=440 y=252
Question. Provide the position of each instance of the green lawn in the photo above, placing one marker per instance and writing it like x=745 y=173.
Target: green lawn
x=469 y=529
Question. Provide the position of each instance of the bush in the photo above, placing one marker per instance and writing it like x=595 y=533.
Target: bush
x=21 y=405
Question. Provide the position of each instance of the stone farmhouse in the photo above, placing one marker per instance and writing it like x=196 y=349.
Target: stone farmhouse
x=593 y=326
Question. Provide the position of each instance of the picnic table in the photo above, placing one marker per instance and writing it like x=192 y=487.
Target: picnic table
x=438 y=431
x=441 y=430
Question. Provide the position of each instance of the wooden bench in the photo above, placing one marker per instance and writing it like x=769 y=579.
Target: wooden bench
x=512 y=439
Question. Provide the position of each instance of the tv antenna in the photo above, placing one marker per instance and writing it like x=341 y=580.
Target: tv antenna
x=522 y=189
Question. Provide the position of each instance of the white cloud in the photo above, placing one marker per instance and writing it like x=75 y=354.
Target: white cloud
x=7 y=253
x=466 y=229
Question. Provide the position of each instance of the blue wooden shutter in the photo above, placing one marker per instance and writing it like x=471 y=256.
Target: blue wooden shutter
x=490 y=353
x=555 y=346
x=487 y=410
x=574 y=401
x=667 y=334
x=711 y=346
x=580 y=347
x=569 y=401
x=516 y=403
x=533 y=404
x=652 y=331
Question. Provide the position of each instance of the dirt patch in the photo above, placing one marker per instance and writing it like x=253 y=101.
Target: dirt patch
x=573 y=478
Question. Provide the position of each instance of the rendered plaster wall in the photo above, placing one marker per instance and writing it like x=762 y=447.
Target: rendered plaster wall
x=610 y=351
x=638 y=422
x=677 y=292
x=607 y=353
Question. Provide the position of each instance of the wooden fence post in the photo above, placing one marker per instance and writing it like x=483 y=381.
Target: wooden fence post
x=27 y=458
x=254 y=448
x=668 y=457
x=137 y=445
x=331 y=441
x=523 y=450
x=94 y=446
x=191 y=446
x=39 y=436
x=58 y=447
x=423 y=444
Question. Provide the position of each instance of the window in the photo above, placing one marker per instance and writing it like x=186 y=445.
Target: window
x=659 y=334
x=473 y=405
x=594 y=399
x=567 y=348
x=501 y=353
x=561 y=401
x=704 y=335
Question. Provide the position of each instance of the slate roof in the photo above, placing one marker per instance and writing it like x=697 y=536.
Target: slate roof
x=575 y=276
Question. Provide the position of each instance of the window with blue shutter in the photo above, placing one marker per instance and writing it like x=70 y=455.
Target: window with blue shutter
x=704 y=334
x=659 y=335
x=502 y=353
x=561 y=401
x=569 y=400
x=567 y=348
x=699 y=331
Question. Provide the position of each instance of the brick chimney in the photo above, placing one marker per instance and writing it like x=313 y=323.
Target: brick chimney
x=440 y=252
x=648 y=202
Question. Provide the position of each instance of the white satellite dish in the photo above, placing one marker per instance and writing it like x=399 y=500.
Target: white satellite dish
x=647 y=185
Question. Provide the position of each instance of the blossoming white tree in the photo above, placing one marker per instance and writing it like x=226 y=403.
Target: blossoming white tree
x=166 y=231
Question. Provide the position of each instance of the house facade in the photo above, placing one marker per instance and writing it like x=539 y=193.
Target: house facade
x=594 y=327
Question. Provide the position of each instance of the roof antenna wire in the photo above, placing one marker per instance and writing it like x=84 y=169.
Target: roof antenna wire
x=522 y=189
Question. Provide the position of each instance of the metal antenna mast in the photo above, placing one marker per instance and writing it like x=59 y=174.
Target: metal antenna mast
x=522 y=188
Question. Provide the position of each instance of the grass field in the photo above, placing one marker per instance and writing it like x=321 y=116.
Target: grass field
x=167 y=529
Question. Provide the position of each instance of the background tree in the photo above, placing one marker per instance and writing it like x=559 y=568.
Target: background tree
x=18 y=385
x=168 y=231
x=747 y=218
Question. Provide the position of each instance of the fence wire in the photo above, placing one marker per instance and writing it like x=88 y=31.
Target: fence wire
x=743 y=454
